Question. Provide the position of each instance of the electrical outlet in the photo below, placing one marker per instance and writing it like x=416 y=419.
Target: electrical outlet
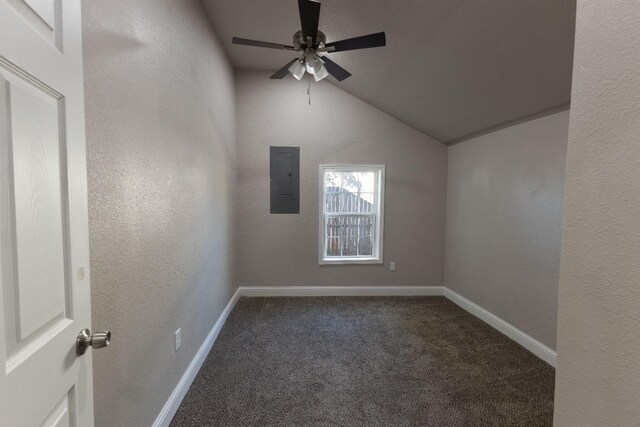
x=392 y=266
x=177 y=340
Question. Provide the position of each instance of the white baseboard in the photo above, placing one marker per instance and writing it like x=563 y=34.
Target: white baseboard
x=172 y=405
x=531 y=344
x=334 y=291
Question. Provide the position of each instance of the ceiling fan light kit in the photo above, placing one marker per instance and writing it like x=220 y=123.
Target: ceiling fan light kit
x=311 y=42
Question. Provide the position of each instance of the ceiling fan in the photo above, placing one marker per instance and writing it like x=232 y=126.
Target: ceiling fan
x=311 y=42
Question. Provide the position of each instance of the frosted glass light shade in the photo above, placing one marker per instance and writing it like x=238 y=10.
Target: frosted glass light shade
x=321 y=74
x=297 y=70
x=313 y=65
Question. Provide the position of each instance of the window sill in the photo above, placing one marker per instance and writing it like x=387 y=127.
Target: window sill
x=346 y=261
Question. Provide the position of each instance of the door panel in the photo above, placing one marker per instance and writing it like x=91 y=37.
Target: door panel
x=44 y=255
x=39 y=283
x=61 y=414
x=43 y=16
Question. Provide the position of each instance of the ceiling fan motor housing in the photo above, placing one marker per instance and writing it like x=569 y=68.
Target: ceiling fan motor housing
x=300 y=43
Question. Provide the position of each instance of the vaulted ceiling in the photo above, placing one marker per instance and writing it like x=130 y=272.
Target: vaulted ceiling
x=451 y=68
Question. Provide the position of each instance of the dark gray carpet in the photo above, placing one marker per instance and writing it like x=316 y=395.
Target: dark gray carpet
x=381 y=361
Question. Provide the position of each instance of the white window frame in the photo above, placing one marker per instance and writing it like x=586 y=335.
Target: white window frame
x=377 y=257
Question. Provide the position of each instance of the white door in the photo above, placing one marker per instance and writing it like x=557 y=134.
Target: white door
x=44 y=254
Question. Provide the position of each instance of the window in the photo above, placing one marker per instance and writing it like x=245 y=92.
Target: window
x=351 y=214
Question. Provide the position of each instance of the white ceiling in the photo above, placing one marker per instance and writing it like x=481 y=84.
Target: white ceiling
x=451 y=68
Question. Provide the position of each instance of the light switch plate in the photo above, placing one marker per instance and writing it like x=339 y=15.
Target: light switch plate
x=392 y=266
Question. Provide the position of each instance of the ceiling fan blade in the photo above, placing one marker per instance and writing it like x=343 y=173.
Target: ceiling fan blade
x=335 y=70
x=282 y=72
x=309 y=17
x=362 y=42
x=258 y=43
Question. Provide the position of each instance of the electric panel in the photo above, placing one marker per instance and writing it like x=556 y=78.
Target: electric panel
x=284 y=167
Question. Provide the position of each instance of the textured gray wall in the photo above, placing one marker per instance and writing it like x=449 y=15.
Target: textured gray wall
x=335 y=128
x=504 y=222
x=598 y=375
x=160 y=110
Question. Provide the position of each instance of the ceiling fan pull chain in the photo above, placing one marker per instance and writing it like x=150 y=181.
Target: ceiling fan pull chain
x=309 y=91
